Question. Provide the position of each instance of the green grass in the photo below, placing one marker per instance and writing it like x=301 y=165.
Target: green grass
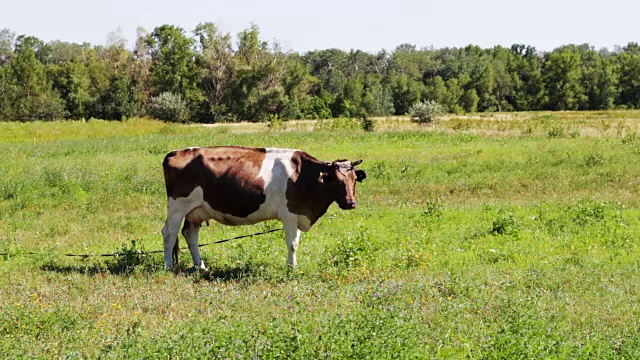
x=493 y=238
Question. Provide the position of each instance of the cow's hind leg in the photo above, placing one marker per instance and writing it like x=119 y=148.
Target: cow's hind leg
x=190 y=231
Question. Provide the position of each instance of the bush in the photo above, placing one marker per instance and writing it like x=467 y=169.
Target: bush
x=588 y=211
x=353 y=251
x=433 y=209
x=368 y=124
x=425 y=112
x=593 y=160
x=169 y=107
x=337 y=124
x=132 y=258
x=504 y=224
x=274 y=122
x=557 y=132
x=470 y=101
x=315 y=108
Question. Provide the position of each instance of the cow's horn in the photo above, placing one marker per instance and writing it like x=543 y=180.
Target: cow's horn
x=357 y=162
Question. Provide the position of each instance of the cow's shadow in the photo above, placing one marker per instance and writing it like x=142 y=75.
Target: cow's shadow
x=238 y=272
x=90 y=270
x=227 y=273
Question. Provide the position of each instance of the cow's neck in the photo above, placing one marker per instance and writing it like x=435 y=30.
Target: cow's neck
x=308 y=196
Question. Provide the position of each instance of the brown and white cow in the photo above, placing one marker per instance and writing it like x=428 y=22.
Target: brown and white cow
x=240 y=186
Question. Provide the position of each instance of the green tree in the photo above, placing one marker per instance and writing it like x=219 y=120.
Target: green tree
x=563 y=75
x=118 y=100
x=632 y=48
x=446 y=93
x=405 y=92
x=28 y=92
x=173 y=67
x=315 y=108
x=528 y=82
x=256 y=91
x=7 y=40
x=297 y=84
x=250 y=48
x=598 y=80
x=328 y=67
x=408 y=60
x=100 y=73
x=216 y=65
x=71 y=80
x=503 y=91
x=60 y=52
x=376 y=100
x=469 y=100
x=140 y=69
x=629 y=62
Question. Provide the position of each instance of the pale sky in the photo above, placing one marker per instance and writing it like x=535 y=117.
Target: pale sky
x=366 y=25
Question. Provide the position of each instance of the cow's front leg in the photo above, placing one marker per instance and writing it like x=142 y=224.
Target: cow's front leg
x=190 y=232
x=170 y=235
x=292 y=234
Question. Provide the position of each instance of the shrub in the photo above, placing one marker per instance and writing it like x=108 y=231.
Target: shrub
x=337 y=124
x=274 y=122
x=504 y=224
x=132 y=257
x=631 y=139
x=351 y=252
x=169 y=107
x=470 y=100
x=593 y=160
x=425 y=112
x=557 y=132
x=433 y=209
x=368 y=124
x=588 y=211
x=315 y=108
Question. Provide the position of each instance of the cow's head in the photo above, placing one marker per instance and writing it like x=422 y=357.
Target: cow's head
x=339 y=179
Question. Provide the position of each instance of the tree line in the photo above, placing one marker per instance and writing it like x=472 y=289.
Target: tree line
x=202 y=76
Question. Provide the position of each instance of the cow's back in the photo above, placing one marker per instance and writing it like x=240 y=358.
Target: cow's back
x=228 y=176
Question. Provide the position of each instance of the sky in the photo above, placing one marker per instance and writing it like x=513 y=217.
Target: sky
x=301 y=25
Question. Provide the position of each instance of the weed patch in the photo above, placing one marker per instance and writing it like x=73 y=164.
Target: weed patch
x=504 y=224
x=557 y=132
x=587 y=211
x=337 y=124
x=351 y=252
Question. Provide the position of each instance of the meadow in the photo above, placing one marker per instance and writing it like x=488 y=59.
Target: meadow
x=485 y=236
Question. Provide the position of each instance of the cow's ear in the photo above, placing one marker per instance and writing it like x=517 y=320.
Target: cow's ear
x=360 y=175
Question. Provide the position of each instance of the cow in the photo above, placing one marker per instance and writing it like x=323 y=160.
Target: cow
x=237 y=185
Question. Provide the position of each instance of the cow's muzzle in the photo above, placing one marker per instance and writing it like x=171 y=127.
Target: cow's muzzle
x=347 y=204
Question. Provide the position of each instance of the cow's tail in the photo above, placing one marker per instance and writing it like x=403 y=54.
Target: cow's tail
x=176 y=252
x=167 y=170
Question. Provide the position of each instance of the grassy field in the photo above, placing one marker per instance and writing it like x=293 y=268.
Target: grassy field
x=485 y=236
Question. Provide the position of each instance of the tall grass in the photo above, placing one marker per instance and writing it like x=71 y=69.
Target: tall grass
x=466 y=243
